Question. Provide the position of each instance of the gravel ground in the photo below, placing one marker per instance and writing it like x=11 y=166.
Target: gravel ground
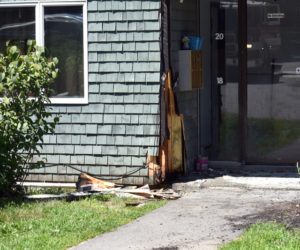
x=204 y=219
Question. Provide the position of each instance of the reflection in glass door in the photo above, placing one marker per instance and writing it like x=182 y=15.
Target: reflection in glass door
x=273 y=80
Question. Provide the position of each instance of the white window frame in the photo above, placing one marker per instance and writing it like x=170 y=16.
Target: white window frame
x=39 y=36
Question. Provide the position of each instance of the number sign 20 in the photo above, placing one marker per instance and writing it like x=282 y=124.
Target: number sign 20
x=219 y=36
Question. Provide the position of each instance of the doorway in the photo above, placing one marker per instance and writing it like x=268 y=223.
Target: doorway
x=255 y=95
x=248 y=109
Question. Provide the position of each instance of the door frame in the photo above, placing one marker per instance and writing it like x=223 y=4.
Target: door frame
x=242 y=86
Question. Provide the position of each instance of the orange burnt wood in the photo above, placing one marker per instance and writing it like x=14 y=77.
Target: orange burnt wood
x=85 y=179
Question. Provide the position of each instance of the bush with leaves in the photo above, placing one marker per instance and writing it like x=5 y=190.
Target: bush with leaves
x=25 y=88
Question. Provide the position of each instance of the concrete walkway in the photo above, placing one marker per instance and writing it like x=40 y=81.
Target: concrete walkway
x=289 y=181
x=203 y=219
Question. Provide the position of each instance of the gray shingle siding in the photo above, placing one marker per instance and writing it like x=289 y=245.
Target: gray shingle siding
x=112 y=134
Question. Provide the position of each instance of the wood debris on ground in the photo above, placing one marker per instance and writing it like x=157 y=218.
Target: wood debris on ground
x=88 y=186
x=87 y=183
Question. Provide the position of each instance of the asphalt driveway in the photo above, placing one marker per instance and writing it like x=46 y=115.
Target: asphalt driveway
x=204 y=219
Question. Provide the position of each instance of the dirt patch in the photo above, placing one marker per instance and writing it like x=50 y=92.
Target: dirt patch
x=287 y=213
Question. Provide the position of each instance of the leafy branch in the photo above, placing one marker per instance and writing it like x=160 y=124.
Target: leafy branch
x=25 y=88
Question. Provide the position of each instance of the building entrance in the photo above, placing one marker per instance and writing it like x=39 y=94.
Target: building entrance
x=256 y=105
x=248 y=107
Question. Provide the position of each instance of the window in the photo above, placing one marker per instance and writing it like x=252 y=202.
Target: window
x=17 y=25
x=61 y=28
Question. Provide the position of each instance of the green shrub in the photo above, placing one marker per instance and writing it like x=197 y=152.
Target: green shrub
x=25 y=87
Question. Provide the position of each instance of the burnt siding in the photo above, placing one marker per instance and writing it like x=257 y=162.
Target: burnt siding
x=112 y=134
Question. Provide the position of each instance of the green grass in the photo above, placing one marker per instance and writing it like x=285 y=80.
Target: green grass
x=229 y=137
x=267 y=236
x=264 y=136
x=61 y=224
x=267 y=135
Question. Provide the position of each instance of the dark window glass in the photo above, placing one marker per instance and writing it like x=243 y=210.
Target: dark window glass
x=17 y=24
x=64 y=40
x=273 y=80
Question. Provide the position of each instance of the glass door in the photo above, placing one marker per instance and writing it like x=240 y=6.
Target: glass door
x=224 y=80
x=273 y=81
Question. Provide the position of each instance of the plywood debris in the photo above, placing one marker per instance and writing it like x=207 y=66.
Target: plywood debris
x=172 y=153
x=90 y=184
x=167 y=194
x=175 y=143
x=127 y=195
x=140 y=192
